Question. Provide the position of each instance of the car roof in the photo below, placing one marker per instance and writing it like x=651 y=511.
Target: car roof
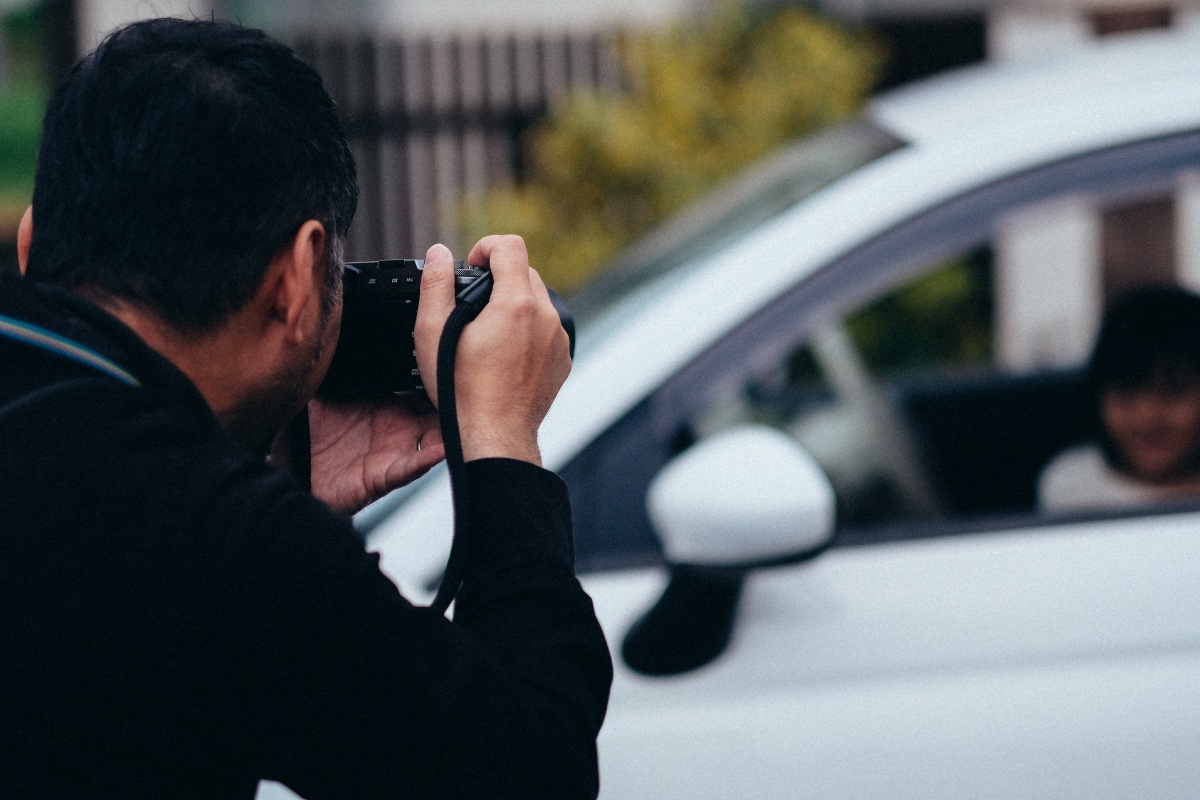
x=1126 y=70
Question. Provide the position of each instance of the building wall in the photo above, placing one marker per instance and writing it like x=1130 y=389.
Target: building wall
x=95 y=19
x=445 y=18
x=424 y=17
x=888 y=9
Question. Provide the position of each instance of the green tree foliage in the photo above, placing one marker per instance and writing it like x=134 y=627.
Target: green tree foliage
x=22 y=103
x=941 y=320
x=706 y=99
x=21 y=108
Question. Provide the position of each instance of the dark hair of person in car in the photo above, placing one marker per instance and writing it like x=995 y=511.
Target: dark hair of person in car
x=1145 y=377
x=210 y=145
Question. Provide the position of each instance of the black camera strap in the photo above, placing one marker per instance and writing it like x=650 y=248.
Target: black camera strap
x=468 y=303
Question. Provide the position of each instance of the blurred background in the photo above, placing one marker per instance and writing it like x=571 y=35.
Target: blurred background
x=581 y=124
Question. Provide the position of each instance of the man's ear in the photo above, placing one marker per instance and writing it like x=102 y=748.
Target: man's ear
x=296 y=278
x=24 y=239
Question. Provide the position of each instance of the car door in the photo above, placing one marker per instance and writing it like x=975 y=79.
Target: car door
x=955 y=641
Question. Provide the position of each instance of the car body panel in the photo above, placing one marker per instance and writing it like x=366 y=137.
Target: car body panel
x=1038 y=93
x=1070 y=731
x=1060 y=661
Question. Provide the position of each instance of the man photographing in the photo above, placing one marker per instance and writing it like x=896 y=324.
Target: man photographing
x=180 y=618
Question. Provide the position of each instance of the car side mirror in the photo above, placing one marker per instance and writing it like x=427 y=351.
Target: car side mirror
x=743 y=499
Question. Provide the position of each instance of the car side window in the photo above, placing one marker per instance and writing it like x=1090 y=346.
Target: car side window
x=944 y=396
x=866 y=394
x=904 y=405
x=932 y=372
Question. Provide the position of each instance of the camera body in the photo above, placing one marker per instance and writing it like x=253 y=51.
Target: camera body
x=376 y=352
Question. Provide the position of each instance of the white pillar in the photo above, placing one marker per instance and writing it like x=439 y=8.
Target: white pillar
x=1018 y=33
x=1048 y=286
x=1187 y=230
x=95 y=19
x=1187 y=17
x=1048 y=283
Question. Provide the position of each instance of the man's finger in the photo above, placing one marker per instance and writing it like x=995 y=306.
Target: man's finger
x=437 y=301
x=432 y=440
x=437 y=285
x=508 y=260
x=539 y=286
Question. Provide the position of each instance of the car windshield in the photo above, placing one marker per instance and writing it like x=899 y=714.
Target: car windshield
x=762 y=192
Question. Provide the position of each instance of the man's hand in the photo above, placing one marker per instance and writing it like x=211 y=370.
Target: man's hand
x=512 y=359
x=362 y=451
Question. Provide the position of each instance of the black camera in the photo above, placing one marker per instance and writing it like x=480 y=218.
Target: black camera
x=376 y=353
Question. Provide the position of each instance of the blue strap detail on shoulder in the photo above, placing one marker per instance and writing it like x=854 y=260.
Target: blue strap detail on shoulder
x=34 y=336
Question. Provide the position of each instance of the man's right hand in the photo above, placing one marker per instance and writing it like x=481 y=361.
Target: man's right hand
x=512 y=359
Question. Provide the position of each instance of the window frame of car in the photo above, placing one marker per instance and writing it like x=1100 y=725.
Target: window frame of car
x=608 y=478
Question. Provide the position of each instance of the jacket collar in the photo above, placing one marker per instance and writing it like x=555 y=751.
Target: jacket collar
x=77 y=320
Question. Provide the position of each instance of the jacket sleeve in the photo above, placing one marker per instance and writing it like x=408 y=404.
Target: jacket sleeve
x=339 y=687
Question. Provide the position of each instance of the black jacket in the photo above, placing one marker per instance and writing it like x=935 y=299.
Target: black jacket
x=180 y=619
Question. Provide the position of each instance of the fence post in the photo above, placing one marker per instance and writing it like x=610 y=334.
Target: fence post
x=434 y=122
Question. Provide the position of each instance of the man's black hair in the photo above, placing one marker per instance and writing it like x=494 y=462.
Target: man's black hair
x=1149 y=338
x=177 y=160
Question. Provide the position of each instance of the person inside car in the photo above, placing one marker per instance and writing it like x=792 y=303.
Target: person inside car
x=1144 y=375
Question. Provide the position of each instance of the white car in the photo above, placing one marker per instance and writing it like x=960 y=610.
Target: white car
x=824 y=580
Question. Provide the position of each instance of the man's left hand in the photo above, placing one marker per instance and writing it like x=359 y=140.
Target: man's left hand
x=362 y=451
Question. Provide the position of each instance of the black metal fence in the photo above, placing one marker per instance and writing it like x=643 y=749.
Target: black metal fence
x=433 y=121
